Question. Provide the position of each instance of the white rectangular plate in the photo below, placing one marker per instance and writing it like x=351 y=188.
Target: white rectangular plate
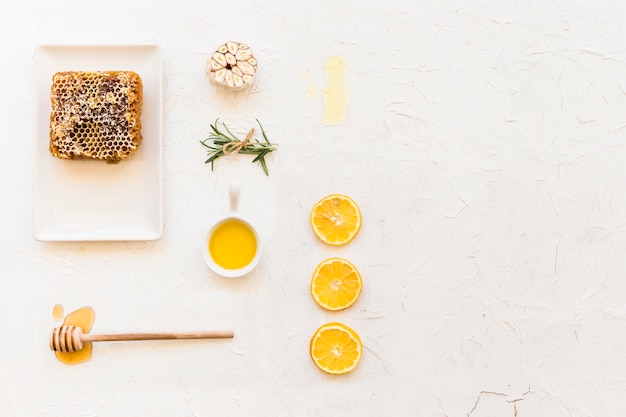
x=82 y=200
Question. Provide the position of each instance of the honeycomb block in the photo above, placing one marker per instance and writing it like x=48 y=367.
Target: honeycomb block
x=95 y=115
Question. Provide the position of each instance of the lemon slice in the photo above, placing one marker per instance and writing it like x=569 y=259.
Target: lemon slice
x=336 y=284
x=336 y=219
x=336 y=348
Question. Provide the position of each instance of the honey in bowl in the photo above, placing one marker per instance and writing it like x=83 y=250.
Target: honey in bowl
x=233 y=244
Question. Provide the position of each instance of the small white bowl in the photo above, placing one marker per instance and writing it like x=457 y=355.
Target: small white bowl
x=233 y=193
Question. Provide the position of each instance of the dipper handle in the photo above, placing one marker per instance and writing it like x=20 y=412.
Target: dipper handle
x=71 y=338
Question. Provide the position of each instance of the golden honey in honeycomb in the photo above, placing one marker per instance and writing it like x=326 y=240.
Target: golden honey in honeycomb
x=95 y=115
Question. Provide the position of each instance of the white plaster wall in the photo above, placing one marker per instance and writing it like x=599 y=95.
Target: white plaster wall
x=485 y=143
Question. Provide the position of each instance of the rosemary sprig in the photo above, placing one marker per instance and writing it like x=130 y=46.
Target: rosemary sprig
x=224 y=142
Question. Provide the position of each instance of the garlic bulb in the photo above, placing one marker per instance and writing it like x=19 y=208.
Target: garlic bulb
x=232 y=65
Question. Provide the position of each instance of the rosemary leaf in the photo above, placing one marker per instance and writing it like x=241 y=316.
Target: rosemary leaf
x=264 y=166
x=263 y=132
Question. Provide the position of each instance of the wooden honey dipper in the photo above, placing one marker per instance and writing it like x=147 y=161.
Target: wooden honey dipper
x=71 y=338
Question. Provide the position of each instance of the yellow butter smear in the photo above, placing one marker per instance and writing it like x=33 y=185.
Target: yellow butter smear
x=336 y=91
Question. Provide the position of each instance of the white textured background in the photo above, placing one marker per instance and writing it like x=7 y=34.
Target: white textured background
x=485 y=143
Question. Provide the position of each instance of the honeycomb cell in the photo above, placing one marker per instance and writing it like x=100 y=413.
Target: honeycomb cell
x=95 y=115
